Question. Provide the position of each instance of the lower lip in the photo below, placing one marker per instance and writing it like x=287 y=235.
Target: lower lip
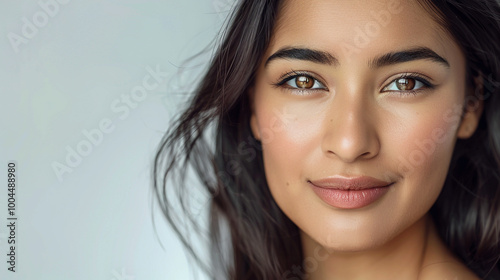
x=350 y=199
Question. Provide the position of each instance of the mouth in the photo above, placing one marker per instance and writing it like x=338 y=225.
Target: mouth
x=349 y=192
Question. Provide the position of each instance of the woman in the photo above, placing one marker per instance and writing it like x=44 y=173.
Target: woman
x=354 y=140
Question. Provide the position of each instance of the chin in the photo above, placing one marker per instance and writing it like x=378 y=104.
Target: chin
x=363 y=242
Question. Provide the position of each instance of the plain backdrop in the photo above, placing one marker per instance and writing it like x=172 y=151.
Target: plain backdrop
x=87 y=91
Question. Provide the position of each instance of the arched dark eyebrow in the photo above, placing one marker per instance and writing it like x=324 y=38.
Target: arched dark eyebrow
x=391 y=58
x=407 y=55
x=303 y=54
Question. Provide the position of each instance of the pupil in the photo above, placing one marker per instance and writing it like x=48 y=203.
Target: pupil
x=405 y=84
x=304 y=82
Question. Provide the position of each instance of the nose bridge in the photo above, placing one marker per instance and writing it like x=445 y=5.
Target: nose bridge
x=350 y=131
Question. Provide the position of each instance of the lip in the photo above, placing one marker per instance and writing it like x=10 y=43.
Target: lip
x=349 y=192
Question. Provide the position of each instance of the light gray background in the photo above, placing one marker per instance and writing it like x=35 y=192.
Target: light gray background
x=66 y=75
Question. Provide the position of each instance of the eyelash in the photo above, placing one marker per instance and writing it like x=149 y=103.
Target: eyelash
x=299 y=91
x=415 y=76
x=405 y=93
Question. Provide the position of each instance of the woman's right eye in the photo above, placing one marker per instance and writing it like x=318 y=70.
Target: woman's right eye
x=305 y=82
x=300 y=81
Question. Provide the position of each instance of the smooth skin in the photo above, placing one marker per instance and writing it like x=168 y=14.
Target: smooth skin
x=333 y=106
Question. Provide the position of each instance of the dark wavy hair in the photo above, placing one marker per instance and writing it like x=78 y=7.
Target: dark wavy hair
x=249 y=236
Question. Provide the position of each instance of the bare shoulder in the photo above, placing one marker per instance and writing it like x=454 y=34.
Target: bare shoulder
x=449 y=270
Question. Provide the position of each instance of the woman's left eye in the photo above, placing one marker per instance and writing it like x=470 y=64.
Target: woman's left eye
x=406 y=84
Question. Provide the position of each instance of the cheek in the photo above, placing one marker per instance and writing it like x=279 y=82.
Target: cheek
x=422 y=151
x=290 y=137
x=426 y=140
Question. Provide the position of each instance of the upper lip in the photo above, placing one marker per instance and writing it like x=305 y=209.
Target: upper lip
x=349 y=183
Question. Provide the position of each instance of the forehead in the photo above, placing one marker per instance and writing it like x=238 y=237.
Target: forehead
x=358 y=29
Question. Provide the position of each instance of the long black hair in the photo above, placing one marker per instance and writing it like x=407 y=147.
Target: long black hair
x=249 y=236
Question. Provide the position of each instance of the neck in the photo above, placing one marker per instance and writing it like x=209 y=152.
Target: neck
x=401 y=258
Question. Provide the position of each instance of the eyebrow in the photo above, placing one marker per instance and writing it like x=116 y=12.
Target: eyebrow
x=391 y=58
x=303 y=54
x=407 y=55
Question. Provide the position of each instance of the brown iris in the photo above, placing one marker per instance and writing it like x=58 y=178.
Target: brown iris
x=405 y=83
x=304 y=82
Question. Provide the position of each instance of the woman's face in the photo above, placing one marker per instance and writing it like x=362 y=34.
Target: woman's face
x=355 y=89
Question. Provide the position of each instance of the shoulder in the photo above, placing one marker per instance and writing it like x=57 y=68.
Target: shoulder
x=449 y=270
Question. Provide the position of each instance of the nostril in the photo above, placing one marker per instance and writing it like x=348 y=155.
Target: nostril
x=365 y=154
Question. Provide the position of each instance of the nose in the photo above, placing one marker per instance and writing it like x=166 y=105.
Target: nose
x=350 y=130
